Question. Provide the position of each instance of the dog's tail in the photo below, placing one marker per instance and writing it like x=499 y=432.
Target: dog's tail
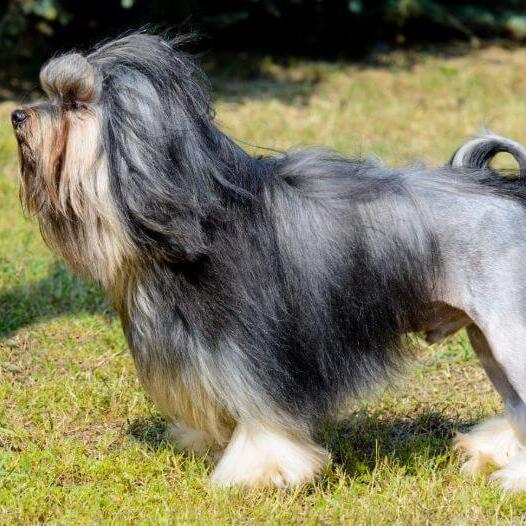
x=479 y=151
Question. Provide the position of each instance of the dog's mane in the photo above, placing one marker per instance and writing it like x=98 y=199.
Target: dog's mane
x=163 y=147
x=162 y=142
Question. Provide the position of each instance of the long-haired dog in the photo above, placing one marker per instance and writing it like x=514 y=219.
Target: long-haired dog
x=258 y=295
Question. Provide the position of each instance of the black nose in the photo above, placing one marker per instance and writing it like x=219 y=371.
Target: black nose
x=18 y=117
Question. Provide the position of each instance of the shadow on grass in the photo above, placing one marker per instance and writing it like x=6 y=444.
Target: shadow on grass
x=148 y=431
x=57 y=294
x=239 y=75
x=358 y=443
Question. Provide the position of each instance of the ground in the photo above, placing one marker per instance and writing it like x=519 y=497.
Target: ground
x=80 y=443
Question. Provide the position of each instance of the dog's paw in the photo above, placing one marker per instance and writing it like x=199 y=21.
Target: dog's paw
x=492 y=442
x=258 y=457
x=478 y=460
x=512 y=478
x=272 y=476
x=188 y=439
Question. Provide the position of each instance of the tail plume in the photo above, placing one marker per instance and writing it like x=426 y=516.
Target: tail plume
x=479 y=151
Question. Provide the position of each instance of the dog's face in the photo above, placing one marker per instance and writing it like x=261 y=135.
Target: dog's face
x=59 y=139
x=63 y=168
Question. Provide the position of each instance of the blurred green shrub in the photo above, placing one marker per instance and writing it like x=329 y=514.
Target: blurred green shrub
x=288 y=25
x=21 y=16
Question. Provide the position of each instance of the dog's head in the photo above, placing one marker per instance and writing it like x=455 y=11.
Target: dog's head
x=121 y=156
x=59 y=140
x=63 y=166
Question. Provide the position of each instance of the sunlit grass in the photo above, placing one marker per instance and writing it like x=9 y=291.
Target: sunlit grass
x=81 y=443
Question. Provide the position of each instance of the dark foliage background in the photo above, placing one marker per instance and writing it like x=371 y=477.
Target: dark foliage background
x=309 y=27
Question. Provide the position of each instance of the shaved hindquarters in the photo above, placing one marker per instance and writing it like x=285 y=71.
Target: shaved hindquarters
x=500 y=441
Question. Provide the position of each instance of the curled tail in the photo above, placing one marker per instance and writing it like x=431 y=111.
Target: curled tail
x=478 y=152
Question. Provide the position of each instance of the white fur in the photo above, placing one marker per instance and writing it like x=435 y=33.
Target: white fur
x=492 y=442
x=189 y=439
x=512 y=478
x=257 y=456
x=516 y=412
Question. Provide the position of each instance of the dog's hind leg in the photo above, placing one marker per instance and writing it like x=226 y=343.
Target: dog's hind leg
x=494 y=441
x=501 y=441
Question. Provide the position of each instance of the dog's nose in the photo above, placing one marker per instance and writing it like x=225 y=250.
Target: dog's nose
x=18 y=117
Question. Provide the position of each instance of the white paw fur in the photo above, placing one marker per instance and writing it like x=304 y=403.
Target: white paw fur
x=512 y=478
x=258 y=456
x=188 y=439
x=492 y=442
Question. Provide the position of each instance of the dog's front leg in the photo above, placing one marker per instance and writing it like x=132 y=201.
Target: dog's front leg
x=189 y=439
x=259 y=455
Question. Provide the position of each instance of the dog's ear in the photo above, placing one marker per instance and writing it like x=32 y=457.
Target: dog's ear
x=71 y=78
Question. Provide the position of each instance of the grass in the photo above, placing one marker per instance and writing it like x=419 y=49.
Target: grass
x=79 y=440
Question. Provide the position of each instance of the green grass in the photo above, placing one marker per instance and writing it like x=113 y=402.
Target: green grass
x=79 y=440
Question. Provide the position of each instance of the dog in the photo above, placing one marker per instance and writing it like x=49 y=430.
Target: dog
x=258 y=295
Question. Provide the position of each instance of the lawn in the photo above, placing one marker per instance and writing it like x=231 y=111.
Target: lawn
x=80 y=443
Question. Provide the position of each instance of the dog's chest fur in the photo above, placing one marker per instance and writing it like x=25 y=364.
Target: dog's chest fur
x=168 y=358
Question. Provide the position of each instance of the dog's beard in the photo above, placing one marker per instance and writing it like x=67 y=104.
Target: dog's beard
x=64 y=183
